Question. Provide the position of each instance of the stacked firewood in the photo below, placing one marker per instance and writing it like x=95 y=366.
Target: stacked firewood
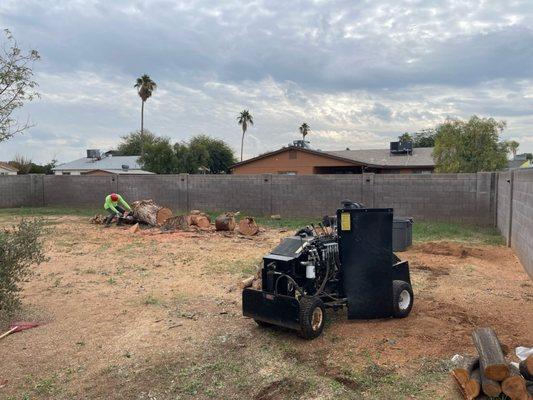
x=488 y=375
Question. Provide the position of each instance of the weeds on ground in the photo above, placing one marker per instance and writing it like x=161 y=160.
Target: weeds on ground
x=434 y=231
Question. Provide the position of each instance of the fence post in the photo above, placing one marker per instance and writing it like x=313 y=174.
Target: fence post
x=511 y=192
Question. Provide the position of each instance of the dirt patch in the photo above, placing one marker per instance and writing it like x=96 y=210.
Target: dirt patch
x=281 y=390
x=158 y=315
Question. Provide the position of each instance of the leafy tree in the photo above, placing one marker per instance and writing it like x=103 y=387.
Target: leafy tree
x=20 y=248
x=133 y=143
x=405 y=137
x=201 y=153
x=424 y=138
x=529 y=156
x=16 y=85
x=470 y=146
x=159 y=157
x=243 y=120
x=304 y=130
x=513 y=146
x=211 y=153
x=145 y=87
x=47 y=169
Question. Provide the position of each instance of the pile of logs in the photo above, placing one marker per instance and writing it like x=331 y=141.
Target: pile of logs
x=489 y=374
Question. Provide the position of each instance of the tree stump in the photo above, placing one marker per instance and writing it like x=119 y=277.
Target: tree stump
x=150 y=213
x=225 y=222
x=491 y=360
x=248 y=226
x=200 y=220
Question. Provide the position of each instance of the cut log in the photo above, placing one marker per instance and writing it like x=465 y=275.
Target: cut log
x=473 y=385
x=515 y=385
x=248 y=226
x=488 y=386
x=179 y=222
x=464 y=368
x=526 y=368
x=225 y=222
x=201 y=221
x=150 y=213
x=466 y=374
x=492 y=362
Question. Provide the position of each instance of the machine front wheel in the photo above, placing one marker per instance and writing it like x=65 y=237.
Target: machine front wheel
x=312 y=317
x=402 y=297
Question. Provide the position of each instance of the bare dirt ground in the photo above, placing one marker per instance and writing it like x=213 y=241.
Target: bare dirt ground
x=135 y=316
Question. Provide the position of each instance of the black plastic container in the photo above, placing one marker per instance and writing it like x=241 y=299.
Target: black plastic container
x=402 y=233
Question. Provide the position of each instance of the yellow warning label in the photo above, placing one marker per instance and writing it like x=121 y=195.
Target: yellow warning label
x=345 y=222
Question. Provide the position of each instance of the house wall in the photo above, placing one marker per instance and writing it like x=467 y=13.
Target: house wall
x=303 y=164
x=5 y=171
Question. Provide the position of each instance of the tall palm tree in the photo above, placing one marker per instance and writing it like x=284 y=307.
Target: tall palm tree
x=243 y=120
x=145 y=86
x=304 y=130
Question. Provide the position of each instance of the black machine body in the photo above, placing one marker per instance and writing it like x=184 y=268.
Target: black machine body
x=350 y=264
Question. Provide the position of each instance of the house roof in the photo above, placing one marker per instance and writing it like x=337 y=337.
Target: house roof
x=106 y=163
x=5 y=165
x=124 y=172
x=420 y=157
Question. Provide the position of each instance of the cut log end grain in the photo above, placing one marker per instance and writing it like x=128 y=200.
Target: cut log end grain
x=515 y=385
x=473 y=385
x=162 y=215
x=526 y=368
x=464 y=367
x=248 y=226
x=492 y=362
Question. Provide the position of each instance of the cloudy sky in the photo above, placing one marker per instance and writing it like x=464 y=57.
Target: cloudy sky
x=358 y=72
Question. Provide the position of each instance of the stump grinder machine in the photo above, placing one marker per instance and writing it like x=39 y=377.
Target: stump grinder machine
x=353 y=265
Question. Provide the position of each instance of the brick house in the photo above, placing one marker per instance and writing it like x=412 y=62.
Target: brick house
x=300 y=160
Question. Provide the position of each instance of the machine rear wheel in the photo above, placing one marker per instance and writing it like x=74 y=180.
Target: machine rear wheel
x=312 y=317
x=402 y=297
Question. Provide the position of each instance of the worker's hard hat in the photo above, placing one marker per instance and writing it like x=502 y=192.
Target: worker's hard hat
x=114 y=196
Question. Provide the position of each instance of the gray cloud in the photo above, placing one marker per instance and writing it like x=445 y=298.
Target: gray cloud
x=358 y=72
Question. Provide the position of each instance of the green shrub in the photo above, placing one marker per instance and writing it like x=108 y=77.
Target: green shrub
x=20 y=248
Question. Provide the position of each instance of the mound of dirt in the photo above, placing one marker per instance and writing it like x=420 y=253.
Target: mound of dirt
x=453 y=249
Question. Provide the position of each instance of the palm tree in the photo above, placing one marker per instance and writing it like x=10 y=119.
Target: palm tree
x=304 y=130
x=513 y=146
x=145 y=86
x=243 y=120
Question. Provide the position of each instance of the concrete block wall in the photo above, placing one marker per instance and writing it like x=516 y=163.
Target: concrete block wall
x=16 y=191
x=503 y=203
x=443 y=197
x=77 y=191
x=247 y=193
x=521 y=239
x=167 y=190
x=313 y=195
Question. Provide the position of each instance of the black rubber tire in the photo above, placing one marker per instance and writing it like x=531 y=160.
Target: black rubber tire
x=308 y=305
x=398 y=287
x=262 y=324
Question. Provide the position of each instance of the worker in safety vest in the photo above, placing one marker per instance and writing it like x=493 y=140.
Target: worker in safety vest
x=116 y=206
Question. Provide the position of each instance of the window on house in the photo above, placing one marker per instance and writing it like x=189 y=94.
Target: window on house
x=66 y=173
x=293 y=154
